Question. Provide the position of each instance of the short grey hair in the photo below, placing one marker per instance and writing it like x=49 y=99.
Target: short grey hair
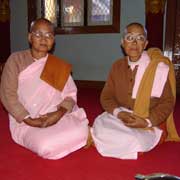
x=39 y=20
x=135 y=24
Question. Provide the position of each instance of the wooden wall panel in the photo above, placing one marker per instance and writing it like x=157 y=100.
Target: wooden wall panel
x=4 y=30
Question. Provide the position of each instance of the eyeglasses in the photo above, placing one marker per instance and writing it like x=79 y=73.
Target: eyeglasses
x=46 y=35
x=132 y=37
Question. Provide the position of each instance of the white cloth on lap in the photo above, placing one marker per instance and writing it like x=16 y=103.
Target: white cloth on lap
x=113 y=139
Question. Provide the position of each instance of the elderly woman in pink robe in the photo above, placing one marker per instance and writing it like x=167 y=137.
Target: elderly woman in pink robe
x=40 y=98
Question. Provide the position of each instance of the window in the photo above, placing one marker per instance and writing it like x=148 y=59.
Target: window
x=78 y=16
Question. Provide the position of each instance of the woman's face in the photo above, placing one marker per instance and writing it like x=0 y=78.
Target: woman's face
x=41 y=38
x=134 y=42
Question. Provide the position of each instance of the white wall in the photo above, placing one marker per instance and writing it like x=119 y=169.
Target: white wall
x=91 y=54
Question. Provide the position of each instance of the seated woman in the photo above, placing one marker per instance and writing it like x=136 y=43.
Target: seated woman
x=138 y=98
x=40 y=95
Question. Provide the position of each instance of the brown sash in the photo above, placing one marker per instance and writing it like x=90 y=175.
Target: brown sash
x=56 y=72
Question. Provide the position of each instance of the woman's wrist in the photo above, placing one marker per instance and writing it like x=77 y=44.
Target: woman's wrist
x=149 y=123
x=62 y=110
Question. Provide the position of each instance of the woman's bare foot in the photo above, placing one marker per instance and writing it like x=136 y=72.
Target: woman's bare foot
x=90 y=141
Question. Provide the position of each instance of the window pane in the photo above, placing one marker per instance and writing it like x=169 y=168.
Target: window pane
x=100 y=12
x=78 y=16
x=50 y=10
x=72 y=12
x=47 y=9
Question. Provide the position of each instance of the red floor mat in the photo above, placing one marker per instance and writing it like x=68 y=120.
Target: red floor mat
x=18 y=163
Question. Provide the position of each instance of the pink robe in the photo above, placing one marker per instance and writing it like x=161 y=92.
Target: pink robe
x=57 y=141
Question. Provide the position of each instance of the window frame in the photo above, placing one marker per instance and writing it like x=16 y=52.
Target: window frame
x=114 y=28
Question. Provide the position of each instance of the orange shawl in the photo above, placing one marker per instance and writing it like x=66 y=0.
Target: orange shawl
x=141 y=107
x=56 y=72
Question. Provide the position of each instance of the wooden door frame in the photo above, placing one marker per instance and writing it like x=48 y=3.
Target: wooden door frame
x=170 y=28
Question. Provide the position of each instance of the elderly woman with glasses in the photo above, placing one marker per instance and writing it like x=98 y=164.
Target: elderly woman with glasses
x=40 y=95
x=138 y=98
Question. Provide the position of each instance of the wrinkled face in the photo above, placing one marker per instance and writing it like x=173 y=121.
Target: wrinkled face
x=134 y=42
x=41 y=38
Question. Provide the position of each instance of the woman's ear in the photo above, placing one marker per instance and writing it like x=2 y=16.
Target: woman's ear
x=29 y=37
x=122 y=43
x=146 y=43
